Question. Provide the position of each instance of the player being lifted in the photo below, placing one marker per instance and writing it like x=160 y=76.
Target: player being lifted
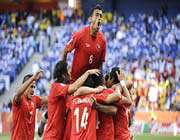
x=89 y=46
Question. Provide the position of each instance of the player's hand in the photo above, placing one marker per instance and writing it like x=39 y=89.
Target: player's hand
x=131 y=137
x=38 y=74
x=121 y=75
x=118 y=90
x=100 y=88
x=94 y=71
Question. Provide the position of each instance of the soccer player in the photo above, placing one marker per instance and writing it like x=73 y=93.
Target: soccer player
x=42 y=124
x=121 y=120
x=83 y=113
x=89 y=46
x=105 y=127
x=24 y=108
x=57 y=97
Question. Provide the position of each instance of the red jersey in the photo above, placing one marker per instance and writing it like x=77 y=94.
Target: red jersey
x=67 y=133
x=56 y=112
x=105 y=129
x=83 y=119
x=121 y=123
x=24 y=117
x=90 y=50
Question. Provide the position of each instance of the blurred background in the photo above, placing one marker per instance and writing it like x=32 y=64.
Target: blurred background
x=143 y=37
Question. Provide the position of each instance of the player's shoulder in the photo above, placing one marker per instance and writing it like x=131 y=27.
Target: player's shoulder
x=101 y=36
x=81 y=31
x=35 y=98
x=56 y=84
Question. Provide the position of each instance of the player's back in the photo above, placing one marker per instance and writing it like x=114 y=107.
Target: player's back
x=121 y=123
x=105 y=130
x=83 y=119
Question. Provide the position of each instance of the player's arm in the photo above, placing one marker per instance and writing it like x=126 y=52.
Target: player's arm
x=127 y=98
x=20 y=91
x=71 y=45
x=114 y=97
x=44 y=101
x=42 y=124
x=80 y=81
x=103 y=55
x=107 y=109
x=124 y=100
x=87 y=90
x=64 y=55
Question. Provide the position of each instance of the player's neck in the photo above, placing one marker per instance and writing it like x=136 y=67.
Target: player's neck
x=93 y=33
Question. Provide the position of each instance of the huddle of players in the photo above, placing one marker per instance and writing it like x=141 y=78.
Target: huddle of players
x=83 y=106
x=99 y=109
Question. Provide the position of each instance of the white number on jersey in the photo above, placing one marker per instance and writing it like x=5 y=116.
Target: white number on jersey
x=90 y=59
x=83 y=120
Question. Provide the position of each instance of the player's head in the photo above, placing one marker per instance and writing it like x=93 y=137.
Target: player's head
x=95 y=18
x=30 y=90
x=94 y=80
x=61 y=73
x=111 y=78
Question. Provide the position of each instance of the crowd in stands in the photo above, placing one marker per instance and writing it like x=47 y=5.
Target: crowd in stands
x=145 y=46
x=21 y=34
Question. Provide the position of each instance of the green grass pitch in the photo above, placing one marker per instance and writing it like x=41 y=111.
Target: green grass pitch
x=136 y=137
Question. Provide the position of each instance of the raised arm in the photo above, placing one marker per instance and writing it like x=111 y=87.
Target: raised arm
x=71 y=45
x=80 y=81
x=87 y=90
x=115 y=96
x=20 y=91
x=64 y=55
x=126 y=98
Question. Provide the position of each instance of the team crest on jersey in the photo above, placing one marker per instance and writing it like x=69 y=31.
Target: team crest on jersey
x=98 y=46
x=87 y=45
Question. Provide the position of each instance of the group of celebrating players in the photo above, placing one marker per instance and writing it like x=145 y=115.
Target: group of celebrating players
x=82 y=105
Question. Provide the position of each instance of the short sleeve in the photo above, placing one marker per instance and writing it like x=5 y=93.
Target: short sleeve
x=15 y=103
x=38 y=102
x=61 y=89
x=73 y=42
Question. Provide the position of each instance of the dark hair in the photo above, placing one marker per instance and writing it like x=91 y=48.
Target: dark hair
x=26 y=77
x=46 y=115
x=113 y=75
x=98 y=6
x=59 y=70
x=93 y=81
x=107 y=77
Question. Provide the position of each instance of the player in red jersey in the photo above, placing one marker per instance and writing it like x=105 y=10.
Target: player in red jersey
x=67 y=134
x=57 y=97
x=105 y=129
x=121 y=120
x=24 y=108
x=83 y=114
x=89 y=46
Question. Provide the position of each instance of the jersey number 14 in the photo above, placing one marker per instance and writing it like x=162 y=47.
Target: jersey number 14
x=83 y=121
